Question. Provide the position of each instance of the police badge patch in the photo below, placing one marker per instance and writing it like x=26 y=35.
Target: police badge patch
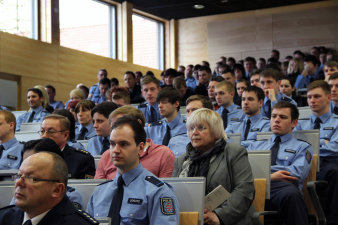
x=167 y=206
x=308 y=156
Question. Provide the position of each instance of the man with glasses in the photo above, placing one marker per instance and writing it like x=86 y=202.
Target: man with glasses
x=40 y=194
x=80 y=162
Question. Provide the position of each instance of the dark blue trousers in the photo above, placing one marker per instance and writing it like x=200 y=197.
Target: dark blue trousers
x=329 y=172
x=288 y=200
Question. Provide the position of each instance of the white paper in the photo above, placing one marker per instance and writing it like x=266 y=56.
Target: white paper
x=216 y=197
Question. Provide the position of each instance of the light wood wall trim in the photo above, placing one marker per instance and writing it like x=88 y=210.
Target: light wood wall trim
x=173 y=43
x=55 y=9
x=45 y=21
x=127 y=32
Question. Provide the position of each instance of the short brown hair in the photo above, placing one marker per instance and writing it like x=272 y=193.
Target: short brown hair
x=64 y=121
x=274 y=74
x=121 y=95
x=84 y=104
x=229 y=86
x=128 y=110
x=205 y=101
x=150 y=79
x=179 y=82
x=319 y=84
x=9 y=117
x=293 y=109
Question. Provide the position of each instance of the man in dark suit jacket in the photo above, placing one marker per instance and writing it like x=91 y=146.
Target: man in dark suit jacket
x=80 y=163
x=40 y=195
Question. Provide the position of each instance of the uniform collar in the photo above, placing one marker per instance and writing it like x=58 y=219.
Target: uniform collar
x=254 y=118
x=131 y=175
x=230 y=107
x=9 y=143
x=324 y=118
x=175 y=121
x=36 y=219
x=154 y=106
x=89 y=126
x=37 y=110
x=283 y=138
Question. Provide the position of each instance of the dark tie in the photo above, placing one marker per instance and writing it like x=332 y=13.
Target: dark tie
x=152 y=114
x=2 y=148
x=115 y=206
x=317 y=123
x=82 y=133
x=31 y=117
x=268 y=113
x=335 y=110
x=105 y=145
x=274 y=151
x=166 y=136
x=28 y=222
x=225 y=118
x=247 y=129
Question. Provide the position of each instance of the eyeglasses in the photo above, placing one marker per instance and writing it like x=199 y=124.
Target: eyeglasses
x=199 y=128
x=30 y=179
x=49 y=132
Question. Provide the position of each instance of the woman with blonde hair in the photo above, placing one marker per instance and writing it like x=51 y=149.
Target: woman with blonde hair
x=221 y=163
x=45 y=103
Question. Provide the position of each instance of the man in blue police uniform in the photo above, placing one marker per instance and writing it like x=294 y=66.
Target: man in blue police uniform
x=83 y=111
x=230 y=113
x=150 y=87
x=135 y=196
x=333 y=83
x=100 y=143
x=311 y=72
x=80 y=163
x=36 y=112
x=290 y=164
x=270 y=81
x=40 y=194
x=104 y=85
x=318 y=97
x=173 y=123
x=252 y=101
x=189 y=78
x=178 y=143
x=51 y=94
x=94 y=90
x=10 y=148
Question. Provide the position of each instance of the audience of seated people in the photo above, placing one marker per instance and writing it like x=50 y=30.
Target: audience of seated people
x=275 y=82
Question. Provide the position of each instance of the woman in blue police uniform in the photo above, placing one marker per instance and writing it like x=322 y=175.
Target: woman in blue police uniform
x=142 y=197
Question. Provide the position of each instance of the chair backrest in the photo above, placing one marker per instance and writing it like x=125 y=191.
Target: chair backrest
x=310 y=136
x=84 y=143
x=27 y=136
x=310 y=177
x=188 y=218
x=260 y=196
x=234 y=138
x=97 y=159
x=304 y=112
x=6 y=192
x=183 y=110
x=260 y=166
x=30 y=127
x=18 y=113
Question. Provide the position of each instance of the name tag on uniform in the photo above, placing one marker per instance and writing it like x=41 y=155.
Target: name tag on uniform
x=13 y=157
x=255 y=129
x=234 y=119
x=328 y=128
x=135 y=201
x=290 y=151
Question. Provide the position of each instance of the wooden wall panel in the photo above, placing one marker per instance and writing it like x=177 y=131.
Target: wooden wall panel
x=256 y=32
x=35 y=62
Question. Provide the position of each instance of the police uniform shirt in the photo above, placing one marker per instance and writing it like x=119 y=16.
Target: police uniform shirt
x=294 y=155
x=80 y=163
x=75 y=144
x=178 y=144
x=146 y=110
x=191 y=82
x=89 y=134
x=57 y=104
x=279 y=97
x=157 y=130
x=235 y=113
x=146 y=199
x=11 y=155
x=332 y=105
x=259 y=123
x=95 y=144
x=3 y=107
x=97 y=99
x=328 y=131
x=94 y=90
x=40 y=113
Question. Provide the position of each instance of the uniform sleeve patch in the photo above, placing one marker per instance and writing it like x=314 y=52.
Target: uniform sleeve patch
x=167 y=206
x=154 y=181
x=308 y=156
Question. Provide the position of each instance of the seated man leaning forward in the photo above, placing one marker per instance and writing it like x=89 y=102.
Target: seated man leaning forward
x=40 y=194
x=135 y=196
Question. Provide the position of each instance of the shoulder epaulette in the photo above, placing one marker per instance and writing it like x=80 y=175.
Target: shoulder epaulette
x=265 y=118
x=7 y=207
x=304 y=119
x=155 y=123
x=154 y=181
x=286 y=99
x=22 y=142
x=336 y=117
x=303 y=141
x=105 y=182
x=73 y=141
x=142 y=105
x=86 y=216
x=70 y=189
x=238 y=107
x=185 y=121
x=262 y=140
x=82 y=151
